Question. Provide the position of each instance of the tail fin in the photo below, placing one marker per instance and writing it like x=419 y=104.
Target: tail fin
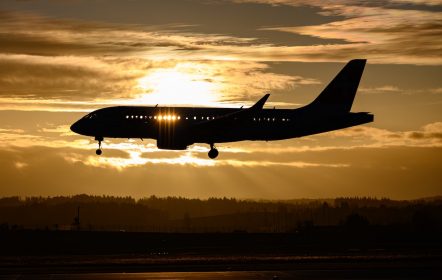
x=338 y=96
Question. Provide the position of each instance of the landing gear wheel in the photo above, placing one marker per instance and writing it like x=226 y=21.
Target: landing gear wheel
x=99 y=151
x=213 y=153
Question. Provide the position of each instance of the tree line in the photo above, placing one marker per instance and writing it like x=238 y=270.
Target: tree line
x=179 y=214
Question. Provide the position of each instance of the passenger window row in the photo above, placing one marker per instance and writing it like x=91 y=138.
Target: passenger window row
x=176 y=118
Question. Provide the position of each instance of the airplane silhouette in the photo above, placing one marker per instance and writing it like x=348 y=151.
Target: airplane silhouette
x=176 y=128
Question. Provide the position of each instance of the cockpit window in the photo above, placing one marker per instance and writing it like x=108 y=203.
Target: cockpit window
x=90 y=116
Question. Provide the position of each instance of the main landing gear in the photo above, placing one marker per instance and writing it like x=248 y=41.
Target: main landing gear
x=213 y=153
x=99 y=139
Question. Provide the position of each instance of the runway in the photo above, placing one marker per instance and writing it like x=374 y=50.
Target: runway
x=397 y=268
x=373 y=273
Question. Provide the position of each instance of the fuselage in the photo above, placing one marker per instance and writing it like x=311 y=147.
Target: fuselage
x=179 y=127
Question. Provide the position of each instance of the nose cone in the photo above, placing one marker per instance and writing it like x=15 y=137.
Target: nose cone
x=76 y=127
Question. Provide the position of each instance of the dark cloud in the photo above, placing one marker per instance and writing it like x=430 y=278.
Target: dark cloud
x=64 y=78
x=422 y=135
x=27 y=33
x=205 y=17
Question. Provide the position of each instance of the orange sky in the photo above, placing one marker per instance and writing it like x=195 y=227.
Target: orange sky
x=61 y=59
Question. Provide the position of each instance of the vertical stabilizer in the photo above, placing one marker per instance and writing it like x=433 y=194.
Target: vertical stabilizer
x=339 y=94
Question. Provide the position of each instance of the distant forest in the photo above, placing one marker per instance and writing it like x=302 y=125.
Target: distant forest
x=177 y=214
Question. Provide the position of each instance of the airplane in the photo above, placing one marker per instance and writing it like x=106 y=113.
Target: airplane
x=176 y=128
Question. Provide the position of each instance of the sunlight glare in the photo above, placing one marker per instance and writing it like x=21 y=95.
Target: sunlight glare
x=135 y=159
x=177 y=86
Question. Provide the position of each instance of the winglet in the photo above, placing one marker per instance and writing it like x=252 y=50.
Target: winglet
x=237 y=114
x=258 y=105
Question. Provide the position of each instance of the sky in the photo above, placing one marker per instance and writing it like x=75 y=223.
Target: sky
x=62 y=59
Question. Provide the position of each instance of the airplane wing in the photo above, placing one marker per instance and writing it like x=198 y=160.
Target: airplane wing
x=241 y=113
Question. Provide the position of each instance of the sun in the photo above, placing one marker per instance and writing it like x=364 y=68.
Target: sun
x=176 y=86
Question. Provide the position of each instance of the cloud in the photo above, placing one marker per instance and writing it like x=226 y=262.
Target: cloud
x=425 y=2
x=375 y=31
x=391 y=89
x=429 y=136
x=380 y=90
x=45 y=61
x=109 y=71
x=11 y=130
x=188 y=159
x=66 y=78
x=400 y=172
x=436 y=90
x=37 y=82
x=432 y=132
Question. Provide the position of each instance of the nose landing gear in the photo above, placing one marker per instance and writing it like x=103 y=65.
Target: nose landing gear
x=99 y=139
x=213 y=153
